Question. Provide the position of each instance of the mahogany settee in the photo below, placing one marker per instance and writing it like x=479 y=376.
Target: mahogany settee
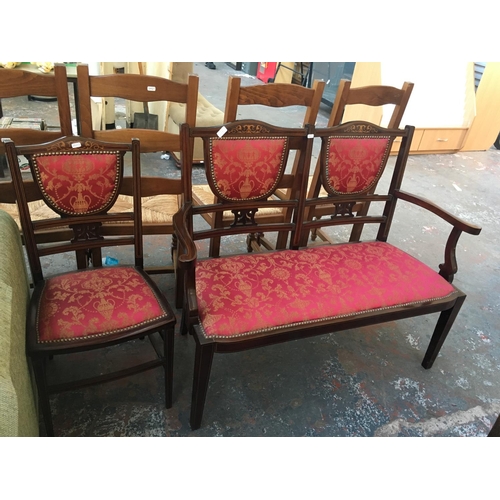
x=238 y=302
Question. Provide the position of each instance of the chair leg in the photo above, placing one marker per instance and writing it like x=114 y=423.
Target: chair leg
x=202 y=365
x=281 y=240
x=43 y=394
x=214 y=247
x=168 y=339
x=495 y=430
x=443 y=326
x=357 y=229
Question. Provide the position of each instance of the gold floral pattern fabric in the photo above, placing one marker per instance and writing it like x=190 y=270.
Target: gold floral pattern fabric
x=354 y=165
x=95 y=302
x=246 y=169
x=78 y=183
x=248 y=294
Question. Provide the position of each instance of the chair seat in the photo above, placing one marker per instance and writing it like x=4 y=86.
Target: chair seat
x=38 y=210
x=203 y=195
x=252 y=294
x=98 y=302
x=155 y=209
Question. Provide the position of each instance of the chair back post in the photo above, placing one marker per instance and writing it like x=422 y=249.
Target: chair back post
x=62 y=93
x=136 y=174
x=232 y=99
x=399 y=109
x=303 y=164
x=83 y=77
x=339 y=103
x=192 y=99
x=396 y=181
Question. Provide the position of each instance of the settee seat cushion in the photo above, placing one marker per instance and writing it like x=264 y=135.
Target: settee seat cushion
x=253 y=294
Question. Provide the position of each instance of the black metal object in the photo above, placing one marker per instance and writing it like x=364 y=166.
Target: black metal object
x=305 y=73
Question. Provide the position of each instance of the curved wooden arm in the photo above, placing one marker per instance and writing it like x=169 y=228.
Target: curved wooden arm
x=186 y=260
x=187 y=248
x=449 y=268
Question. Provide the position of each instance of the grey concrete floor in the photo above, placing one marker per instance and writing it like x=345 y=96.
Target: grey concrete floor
x=362 y=382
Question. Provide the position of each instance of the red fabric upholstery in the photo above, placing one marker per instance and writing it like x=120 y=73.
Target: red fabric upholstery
x=78 y=183
x=243 y=169
x=355 y=165
x=95 y=302
x=246 y=294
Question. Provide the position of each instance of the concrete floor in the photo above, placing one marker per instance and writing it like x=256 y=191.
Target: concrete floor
x=363 y=382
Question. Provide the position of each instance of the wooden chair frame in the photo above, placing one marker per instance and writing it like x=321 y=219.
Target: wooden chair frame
x=85 y=235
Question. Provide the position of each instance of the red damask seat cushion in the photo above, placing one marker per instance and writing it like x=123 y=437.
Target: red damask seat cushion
x=249 y=294
x=95 y=302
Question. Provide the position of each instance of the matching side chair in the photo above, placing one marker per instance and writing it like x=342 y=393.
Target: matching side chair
x=80 y=179
x=160 y=195
x=275 y=95
x=344 y=109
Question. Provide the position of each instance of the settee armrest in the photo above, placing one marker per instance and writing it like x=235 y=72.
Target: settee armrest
x=186 y=262
x=449 y=268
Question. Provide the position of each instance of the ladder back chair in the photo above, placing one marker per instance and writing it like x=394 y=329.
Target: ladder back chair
x=96 y=307
x=275 y=95
x=161 y=195
x=22 y=83
x=346 y=99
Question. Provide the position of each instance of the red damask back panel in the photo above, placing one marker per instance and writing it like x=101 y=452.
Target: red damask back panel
x=78 y=183
x=246 y=169
x=354 y=165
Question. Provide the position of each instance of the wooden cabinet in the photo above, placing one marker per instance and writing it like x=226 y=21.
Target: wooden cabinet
x=447 y=113
x=417 y=137
x=441 y=139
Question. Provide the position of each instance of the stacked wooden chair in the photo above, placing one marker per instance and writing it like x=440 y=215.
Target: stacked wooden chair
x=344 y=108
x=161 y=194
x=274 y=95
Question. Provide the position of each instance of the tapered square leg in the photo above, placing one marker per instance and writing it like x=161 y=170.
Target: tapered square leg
x=202 y=366
x=443 y=326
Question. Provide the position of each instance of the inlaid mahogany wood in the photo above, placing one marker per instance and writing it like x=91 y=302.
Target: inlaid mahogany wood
x=238 y=302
